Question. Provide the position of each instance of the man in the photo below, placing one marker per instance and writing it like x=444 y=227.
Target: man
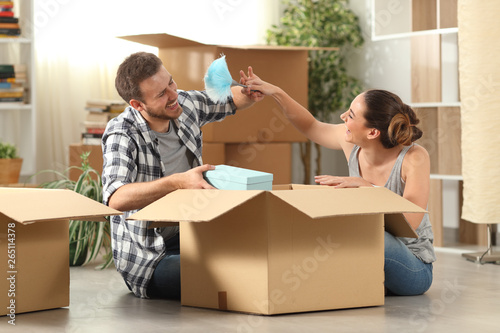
x=153 y=148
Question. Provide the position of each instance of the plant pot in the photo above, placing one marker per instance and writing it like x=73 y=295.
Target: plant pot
x=10 y=170
x=81 y=258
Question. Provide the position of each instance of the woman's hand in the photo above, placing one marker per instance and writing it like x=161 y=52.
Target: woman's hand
x=341 y=182
x=255 y=85
x=253 y=95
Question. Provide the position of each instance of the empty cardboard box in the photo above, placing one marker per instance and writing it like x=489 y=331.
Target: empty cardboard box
x=294 y=249
x=34 y=245
x=226 y=177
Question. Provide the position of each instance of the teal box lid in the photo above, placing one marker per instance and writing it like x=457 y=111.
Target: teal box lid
x=234 y=178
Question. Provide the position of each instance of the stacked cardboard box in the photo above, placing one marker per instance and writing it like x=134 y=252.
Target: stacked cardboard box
x=95 y=158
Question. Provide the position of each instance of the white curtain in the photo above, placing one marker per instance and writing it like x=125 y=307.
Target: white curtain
x=479 y=71
x=66 y=79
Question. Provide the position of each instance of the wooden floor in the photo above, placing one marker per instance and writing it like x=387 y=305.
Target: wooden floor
x=465 y=297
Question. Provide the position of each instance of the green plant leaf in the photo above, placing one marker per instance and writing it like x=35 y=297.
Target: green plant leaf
x=90 y=238
x=8 y=150
x=322 y=23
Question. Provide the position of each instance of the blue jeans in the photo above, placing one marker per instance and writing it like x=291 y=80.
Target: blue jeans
x=405 y=274
x=166 y=279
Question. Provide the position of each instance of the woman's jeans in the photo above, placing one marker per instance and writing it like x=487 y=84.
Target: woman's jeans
x=405 y=274
x=166 y=280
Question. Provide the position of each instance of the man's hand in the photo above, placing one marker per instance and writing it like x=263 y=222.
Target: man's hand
x=193 y=179
x=139 y=195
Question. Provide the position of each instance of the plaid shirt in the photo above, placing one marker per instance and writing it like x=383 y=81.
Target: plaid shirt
x=131 y=154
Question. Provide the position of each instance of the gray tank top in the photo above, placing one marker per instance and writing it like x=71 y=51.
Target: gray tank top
x=422 y=246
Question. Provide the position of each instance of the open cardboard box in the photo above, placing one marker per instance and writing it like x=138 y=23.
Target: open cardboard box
x=287 y=67
x=34 y=245
x=296 y=248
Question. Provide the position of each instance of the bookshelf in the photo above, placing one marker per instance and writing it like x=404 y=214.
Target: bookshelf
x=18 y=119
x=432 y=30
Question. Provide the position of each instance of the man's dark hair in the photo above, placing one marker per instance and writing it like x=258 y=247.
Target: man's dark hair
x=133 y=70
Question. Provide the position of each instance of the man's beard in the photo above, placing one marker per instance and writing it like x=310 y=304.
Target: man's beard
x=159 y=115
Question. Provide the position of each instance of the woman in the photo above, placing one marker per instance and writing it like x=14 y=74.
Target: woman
x=377 y=138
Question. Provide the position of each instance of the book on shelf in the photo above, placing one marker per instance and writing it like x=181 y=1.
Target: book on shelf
x=8 y=71
x=13 y=100
x=91 y=138
x=10 y=84
x=7 y=19
x=12 y=79
x=10 y=29
x=10 y=32
x=12 y=92
x=105 y=105
x=96 y=122
x=100 y=112
x=9 y=25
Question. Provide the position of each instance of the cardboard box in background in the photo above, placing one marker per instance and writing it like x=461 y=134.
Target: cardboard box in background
x=302 y=248
x=95 y=158
x=275 y=158
x=34 y=245
x=214 y=153
x=287 y=67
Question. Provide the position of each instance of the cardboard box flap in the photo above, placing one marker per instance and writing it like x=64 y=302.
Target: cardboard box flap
x=163 y=40
x=326 y=201
x=397 y=225
x=348 y=201
x=28 y=205
x=193 y=205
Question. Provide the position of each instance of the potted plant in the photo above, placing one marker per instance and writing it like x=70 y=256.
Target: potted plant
x=10 y=164
x=87 y=238
x=322 y=23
